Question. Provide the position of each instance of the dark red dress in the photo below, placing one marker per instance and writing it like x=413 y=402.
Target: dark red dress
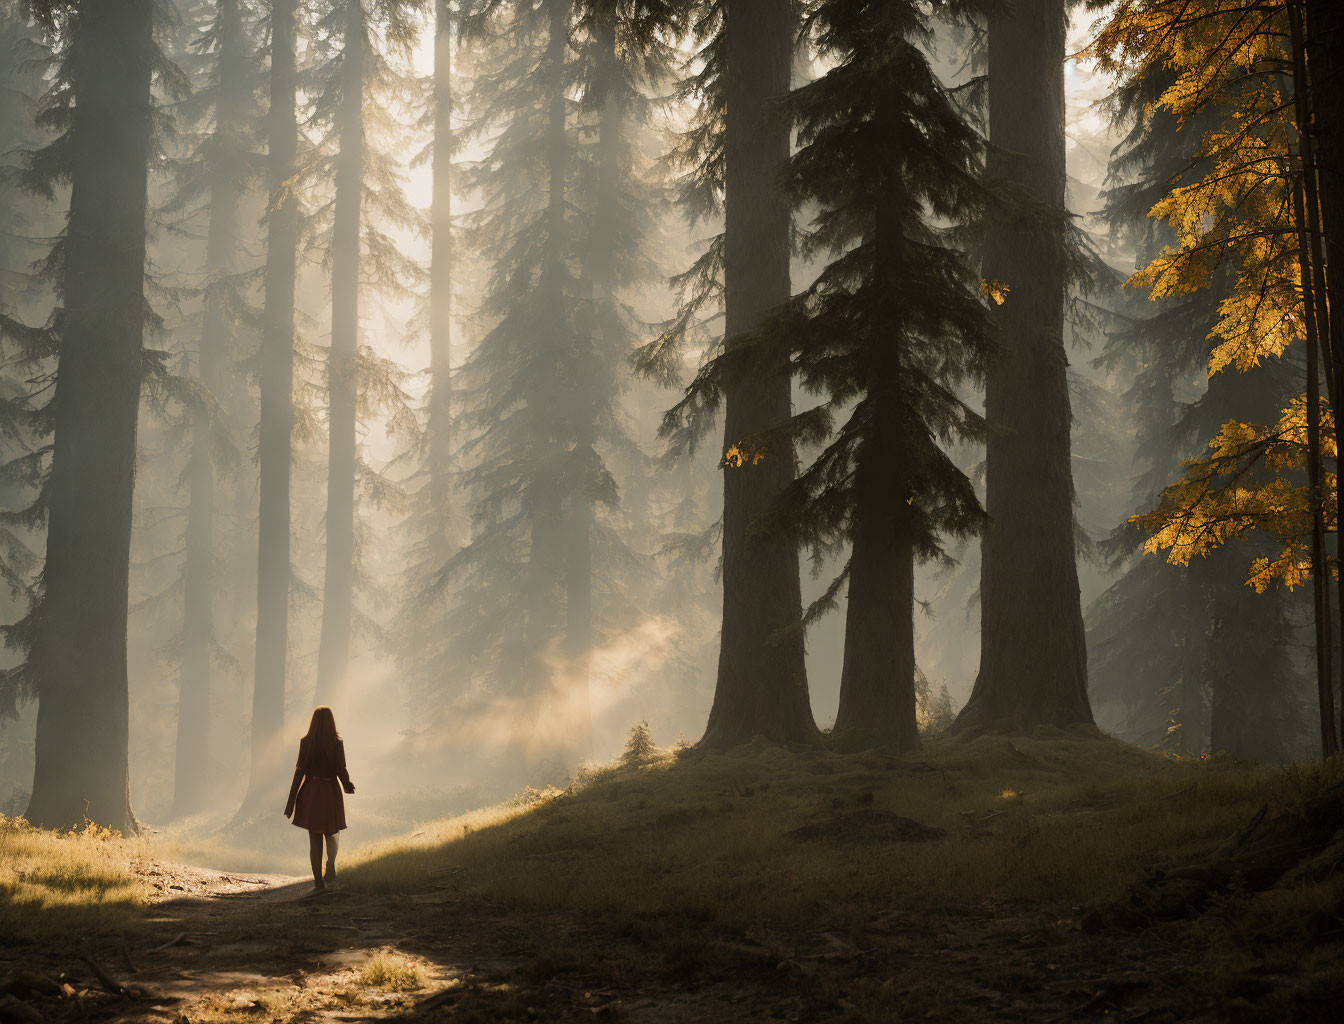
x=319 y=805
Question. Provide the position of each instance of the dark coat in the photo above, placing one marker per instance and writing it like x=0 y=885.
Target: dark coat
x=315 y=797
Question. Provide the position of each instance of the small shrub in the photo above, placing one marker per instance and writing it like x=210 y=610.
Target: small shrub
x=639 y=748
x=934 y=712
x=385 y=969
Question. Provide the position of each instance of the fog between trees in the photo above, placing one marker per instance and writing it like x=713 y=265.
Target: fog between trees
x=372 y=353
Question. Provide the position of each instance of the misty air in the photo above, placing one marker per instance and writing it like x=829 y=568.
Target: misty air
x=671 y=510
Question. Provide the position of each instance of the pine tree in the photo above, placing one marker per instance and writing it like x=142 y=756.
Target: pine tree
x=439 y=443
x=355 y=75
x=1033 y=662
x=29 y=351
x=424 y=647
x=275 y=431
x=563 y=94
x=624 y=57
x=890 y=329
x=507 y=621
x=735 y=152
x=102 y=103
x=214 y=176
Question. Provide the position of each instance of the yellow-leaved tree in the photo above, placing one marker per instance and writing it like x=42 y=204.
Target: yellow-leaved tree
x=1240 y=66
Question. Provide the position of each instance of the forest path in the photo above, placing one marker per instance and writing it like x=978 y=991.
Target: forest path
x=222 y=946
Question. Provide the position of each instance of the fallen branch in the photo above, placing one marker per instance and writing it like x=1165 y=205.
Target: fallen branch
x=171 y=942
x=27 y=984
x=105 y=979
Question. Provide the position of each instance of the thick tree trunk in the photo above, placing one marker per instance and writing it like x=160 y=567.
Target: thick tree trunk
x=1311 y=262
x=191 y=779
x=275 y=432
x=338 y=591
x=78 y=655
x=1033 y=663
x=761 y=687
x=438 y=424
x=877 y=677
x=1325 y=56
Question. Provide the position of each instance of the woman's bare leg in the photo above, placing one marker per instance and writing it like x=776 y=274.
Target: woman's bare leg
x=333 y=842
x=315 y=856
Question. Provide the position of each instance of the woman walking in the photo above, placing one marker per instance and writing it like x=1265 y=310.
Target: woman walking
x=315 y=799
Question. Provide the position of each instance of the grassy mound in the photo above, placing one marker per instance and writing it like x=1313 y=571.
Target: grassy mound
x=765 y=835
x=870 y=887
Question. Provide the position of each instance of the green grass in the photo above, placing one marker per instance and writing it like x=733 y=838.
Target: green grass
x=1059 y=816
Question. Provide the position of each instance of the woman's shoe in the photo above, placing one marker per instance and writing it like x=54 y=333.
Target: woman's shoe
x=329 y=876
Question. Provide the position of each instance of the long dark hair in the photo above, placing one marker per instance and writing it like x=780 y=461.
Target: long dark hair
x=322 y=735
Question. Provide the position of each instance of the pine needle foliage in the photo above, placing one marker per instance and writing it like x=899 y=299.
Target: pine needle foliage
x=359 y=84
x=28 y=351
x=894 y=325
x=47 y=46
x=563 y=96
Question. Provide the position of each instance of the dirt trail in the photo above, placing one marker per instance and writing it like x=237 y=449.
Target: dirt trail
x=219 y=946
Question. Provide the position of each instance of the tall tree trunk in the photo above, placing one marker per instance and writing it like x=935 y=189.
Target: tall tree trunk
x=1033 y=663
x=546 y=563
x=762 y=680
x=600 y=272
x=333 y=656
x=275 y=432
x=1325 y=55
x=877 y=676
x=78 y=654
x=439 y=413
x=579 y=623
x=1311 y=263
x=191 y=777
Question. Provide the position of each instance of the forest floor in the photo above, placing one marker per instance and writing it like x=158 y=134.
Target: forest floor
x=989 y=880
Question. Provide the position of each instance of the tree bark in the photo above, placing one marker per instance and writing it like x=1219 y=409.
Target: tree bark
x=78 y=654
x=1311 y=262
x=600 y=273
x=877 y=676
x=547 y=571
x=1033 y=663
x=338 y=590
x=191 y=771
x=1325 y=63
x=761 y=688
x=275 y=431
x=439 y=413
